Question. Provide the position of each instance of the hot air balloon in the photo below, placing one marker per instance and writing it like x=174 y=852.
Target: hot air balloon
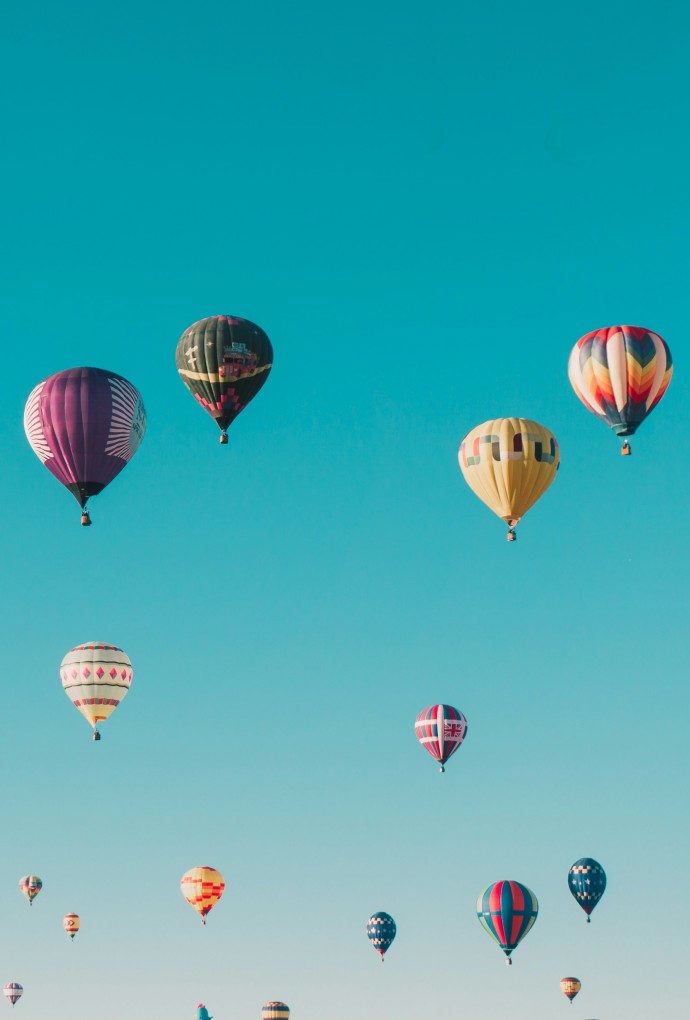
x=570 y=986
x=84 y=424
x=71 y=923
x=441 y=729
x=96 y=677
x=587 y=883
x=381 y=931
x=202 y=887
x=13 y=991
x=507 y=910
x=509 y=463
x=31 y=886
x=202 y=1012
x=224 y=361
x=275 y=1011
x=620 y=373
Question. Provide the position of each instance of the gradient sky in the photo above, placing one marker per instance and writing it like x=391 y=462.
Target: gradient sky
x=424 y=206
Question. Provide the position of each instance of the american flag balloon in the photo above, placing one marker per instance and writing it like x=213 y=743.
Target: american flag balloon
x=441 y=729
x=381 y=931
x=570 y=986
x=587 y=883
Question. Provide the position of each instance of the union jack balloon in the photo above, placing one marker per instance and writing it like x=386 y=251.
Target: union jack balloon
x=381 y=931
x=587 y=883
x=620 y=373
x=507 y=910
x=441 y=729
x=13 y=991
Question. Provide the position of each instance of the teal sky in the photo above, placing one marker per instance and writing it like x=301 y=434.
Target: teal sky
x=424 y=206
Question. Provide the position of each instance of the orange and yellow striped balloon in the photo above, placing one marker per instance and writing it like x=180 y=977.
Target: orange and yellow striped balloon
x=620 y=373
x=509 y=463
x=202 y=887
x=71 y=923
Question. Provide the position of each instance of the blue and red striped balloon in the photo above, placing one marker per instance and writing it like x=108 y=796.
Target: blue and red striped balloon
x=507 y=910
x=440 y=729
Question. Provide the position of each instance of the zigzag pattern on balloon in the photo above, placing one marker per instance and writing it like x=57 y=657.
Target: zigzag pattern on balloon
x=620 y=373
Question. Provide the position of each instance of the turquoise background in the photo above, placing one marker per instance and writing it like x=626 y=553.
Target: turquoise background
x=424 y=206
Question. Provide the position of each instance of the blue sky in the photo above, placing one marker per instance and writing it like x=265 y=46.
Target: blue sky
x=424 y=208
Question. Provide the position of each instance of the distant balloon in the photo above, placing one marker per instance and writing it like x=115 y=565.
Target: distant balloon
x=507 y=910
x=509 y=463
x=224 y=361
x=275 y=1011
x=13 y=991
x=587 y=883
x=31 y=886
x=202 y=888
x=570 y=986
x=620 y=373
x=381 y=930
x=96 y=677
x=441 y=729
x=85 y=424
x=202 y=1012
x=71 y=923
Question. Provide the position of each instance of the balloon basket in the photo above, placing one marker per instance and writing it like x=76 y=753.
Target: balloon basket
x=85 y=519
x=625 y=449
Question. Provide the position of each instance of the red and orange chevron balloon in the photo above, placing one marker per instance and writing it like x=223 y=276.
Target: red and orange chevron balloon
x=202 y=888
x=620 y=373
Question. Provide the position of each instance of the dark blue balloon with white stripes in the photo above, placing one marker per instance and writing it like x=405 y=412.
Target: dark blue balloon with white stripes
x=587 y=882
x=381 y=931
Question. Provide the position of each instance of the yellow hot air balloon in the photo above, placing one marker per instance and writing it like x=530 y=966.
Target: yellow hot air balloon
x=570 y=986
x=202 y=887
x=509 y=463
x=71 y=924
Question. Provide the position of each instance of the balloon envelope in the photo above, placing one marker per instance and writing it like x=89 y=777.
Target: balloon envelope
x=507 y=910
x=224 y=361
x=84 y=425
x=620 y=373
x=96 y=677
x=202 y=887
x=71 y=923
x=31 y=886
x=587 y=883
x=441 y=729
x=275 y=1011
x=202 y=1012
x=381 y=930
x=13 y=991
x=570 y=986
x=509 y=463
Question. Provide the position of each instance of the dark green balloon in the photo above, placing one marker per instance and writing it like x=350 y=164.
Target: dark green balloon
x=224 y=361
